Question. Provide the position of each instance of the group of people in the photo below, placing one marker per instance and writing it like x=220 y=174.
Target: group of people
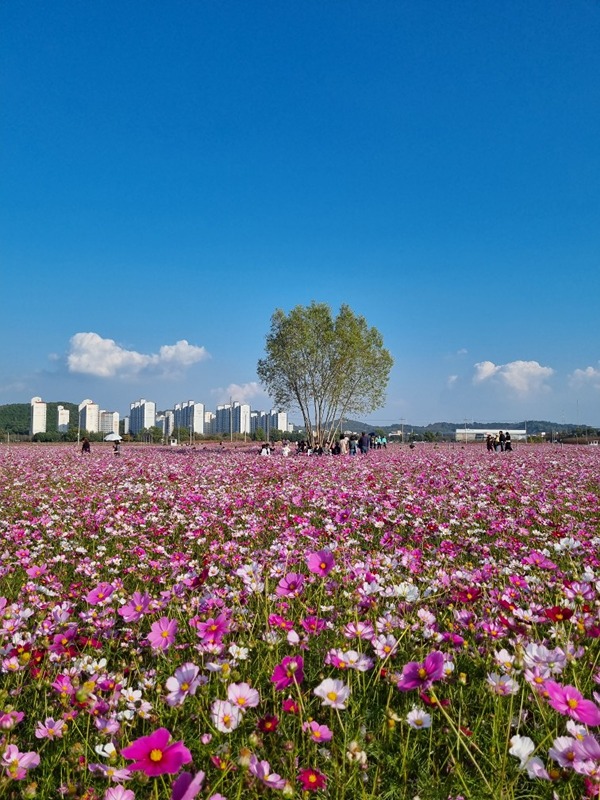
x=501 y=441
x=85 y=446
x=345 y=445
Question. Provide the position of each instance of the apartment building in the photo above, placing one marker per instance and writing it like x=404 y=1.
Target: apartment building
x=37 y=416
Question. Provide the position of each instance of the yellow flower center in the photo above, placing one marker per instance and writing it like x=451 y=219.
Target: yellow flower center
x=185 y=686
x=422 y=673
x=332 y=696
x=156 y=755
x=572 y=703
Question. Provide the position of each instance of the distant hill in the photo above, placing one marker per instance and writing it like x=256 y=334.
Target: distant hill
x=14 y=419
x=534 y=427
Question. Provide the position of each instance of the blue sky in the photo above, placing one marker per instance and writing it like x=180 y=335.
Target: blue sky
x=173 y=172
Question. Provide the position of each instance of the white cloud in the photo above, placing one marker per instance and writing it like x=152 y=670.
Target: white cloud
x=451 y=380
x=239 y=393
x=90 y=354
x=522 y=376
x=484 y=370
x=462 y=352
x=589 y=375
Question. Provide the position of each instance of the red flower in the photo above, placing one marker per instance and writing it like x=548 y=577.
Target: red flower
x=312 y=779
x=267 y=724
x=469 y=595
x=558 y=614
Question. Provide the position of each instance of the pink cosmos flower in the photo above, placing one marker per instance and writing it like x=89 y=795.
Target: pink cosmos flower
x=587 y=748
x=50 y=729
x=321 y=562
x=18 y=764
x=417 y=675
x=162 y=633
x=110 y=772
x=100 y=594
x=262 y=771
x=288 y=672
x=290 y=706
x=119 y=793
x=385 y=645
x=154 y=756
x=318 y=733
x=9 y=719
x=562 y=751
x=135 y=609
x=568 y=701
x=242 y=695
x=186 y=787
x=290 y=586
x=359 y=630
x=277 y=621
x=313 y=625
x=213 y=630
x=37 y=572
x=185 y=682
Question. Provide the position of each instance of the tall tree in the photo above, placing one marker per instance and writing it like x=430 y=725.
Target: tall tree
x=325 y=367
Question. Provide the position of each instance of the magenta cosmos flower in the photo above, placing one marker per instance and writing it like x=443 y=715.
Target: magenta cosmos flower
x=101 y=593
x=187 y=787
x=154 y=756
x=289 y=671
x=420 y=676
x=320 y=563
x=290 y=586
x=568 y=701
x=162 y=633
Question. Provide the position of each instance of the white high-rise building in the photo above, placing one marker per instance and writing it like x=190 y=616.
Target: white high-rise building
x=89 y=416
x=210 y=420
x=142 y=415
x=109 y=422
x=190 y=416
x=63 y=417
x=233 y=418
x=37 y=416
x=270 y=421
x=166 y=422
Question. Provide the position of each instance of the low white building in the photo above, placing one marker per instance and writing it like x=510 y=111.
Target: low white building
x=480 y=434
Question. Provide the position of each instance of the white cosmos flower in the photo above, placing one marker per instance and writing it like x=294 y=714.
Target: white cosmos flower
x=333 y=693
x=521 y=747
x=418 y=718
x=225 y=716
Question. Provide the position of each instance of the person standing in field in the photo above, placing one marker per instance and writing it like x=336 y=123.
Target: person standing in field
x=85 y=445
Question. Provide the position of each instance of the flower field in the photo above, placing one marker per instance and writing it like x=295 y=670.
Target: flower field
x=218 y=625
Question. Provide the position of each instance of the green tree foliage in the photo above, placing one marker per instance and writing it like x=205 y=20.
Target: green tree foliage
x=326 y=367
